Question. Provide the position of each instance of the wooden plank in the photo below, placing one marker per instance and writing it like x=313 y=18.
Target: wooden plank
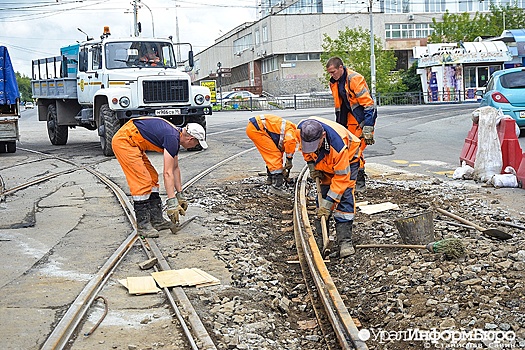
x=377 y=208
x=141 y=285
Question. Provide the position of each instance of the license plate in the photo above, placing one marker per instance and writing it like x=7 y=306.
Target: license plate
x=167 y=112
x=522 y=114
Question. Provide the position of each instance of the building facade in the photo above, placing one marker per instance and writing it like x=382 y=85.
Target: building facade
x=279 y=54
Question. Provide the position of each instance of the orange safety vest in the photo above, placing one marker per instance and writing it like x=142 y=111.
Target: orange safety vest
x=281 y=131
x=340 y=149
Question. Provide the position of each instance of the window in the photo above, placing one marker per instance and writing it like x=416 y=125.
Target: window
x=312 y=56
x=265 y=34
x=398 y=31
x=257 y=38
x=513 y=80
x=269 y=65
x=96 y=57
x=242 y=44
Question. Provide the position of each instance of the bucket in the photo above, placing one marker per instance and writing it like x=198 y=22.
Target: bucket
x=416 y=229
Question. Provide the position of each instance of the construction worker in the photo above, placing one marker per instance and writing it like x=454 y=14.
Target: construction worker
x=130 y=144
x=332 y=154
x=354 y=108
x=273 y=136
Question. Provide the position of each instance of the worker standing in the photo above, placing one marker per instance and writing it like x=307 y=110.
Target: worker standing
x=354 y=108
x=130 y=144
x=332 y=154
x=274 y=136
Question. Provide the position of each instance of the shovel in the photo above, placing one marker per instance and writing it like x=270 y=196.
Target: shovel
x=324 y=229
x=491 y=232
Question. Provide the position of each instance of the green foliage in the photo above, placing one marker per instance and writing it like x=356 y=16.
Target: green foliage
x=411 y=79
x=353 y=47
x=463 y=26
x=24 y=86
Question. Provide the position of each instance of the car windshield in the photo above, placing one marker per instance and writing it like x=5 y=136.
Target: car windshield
x=127 y=54
x=515 y=80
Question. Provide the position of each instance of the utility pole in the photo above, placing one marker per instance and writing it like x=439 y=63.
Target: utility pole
x=372 y=53
x=135 y=18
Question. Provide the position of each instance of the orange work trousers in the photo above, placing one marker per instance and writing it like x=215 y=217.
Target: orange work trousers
x=129 y=148
x=271 y=155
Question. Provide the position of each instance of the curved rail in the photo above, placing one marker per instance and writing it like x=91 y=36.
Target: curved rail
x=312 y=264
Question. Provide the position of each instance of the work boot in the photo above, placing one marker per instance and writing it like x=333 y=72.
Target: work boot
x=269 y=177
x=278 y=181
x=142 y=214
x=343 y=231
x=360 y=184
x=155 y=212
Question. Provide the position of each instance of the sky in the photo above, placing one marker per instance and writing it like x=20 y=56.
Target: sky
x=33 y=29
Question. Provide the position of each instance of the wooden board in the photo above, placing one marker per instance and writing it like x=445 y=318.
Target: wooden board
x=377 y=208
x=184 y=277
x=141 y=285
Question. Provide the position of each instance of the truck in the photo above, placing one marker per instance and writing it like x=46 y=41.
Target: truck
x=9 y=104
x=100 y=84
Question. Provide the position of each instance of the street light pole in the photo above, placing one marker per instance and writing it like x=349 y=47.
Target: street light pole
x=219 y=74
x=151 y=13
x=372 y=54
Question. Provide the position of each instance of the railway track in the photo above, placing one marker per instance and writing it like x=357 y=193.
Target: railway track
x=66 y=330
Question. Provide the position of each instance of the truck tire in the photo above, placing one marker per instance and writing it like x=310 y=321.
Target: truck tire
x=111 y=124
x=57 y=133
x=202 y=121
x=11 y=147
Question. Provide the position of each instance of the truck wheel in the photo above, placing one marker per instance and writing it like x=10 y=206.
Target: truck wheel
x=11 y=147
x=202 y=121
x=110 y=125
x=2 y=147
x=57 y=133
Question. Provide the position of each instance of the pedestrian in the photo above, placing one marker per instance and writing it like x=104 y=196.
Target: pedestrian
x=354 y=108
x=274 y=136
x=130 y=144
x=332 y=154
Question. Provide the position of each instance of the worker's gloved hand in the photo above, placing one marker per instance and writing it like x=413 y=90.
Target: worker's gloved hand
x=173 y=209
x=182 y=201
x=325 y=209
x=314 y=174
x=368 y=134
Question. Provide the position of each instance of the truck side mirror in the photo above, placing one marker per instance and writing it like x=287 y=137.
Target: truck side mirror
x=190 y=58
x=83 y=61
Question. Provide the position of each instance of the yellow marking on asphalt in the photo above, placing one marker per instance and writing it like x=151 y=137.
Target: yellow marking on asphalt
x=444 y=172
x=412 y=165
x=400 y=161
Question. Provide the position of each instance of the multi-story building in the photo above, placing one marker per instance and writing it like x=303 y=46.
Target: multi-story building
x=280 y=52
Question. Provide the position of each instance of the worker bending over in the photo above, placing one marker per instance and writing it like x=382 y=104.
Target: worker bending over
x=130 y=144
x=273 y=136
x=332 y=154
x=354 y=107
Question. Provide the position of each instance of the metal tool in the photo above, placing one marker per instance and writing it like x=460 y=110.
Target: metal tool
x=176 y=228
x=324 y=229
x=491 y=232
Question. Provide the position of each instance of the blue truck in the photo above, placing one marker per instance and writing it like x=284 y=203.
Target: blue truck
x=9 y=104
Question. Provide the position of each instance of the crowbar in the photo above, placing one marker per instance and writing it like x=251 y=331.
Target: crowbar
x=324 y=229
x=176 y=228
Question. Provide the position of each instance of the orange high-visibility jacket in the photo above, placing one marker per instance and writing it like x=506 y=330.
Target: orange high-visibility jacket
x=340 y=148
x=361 y=103
x=281 y=131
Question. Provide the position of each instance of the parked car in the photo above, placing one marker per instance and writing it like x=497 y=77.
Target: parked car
x=29 y=105
x=506 y=90
x=238 y=96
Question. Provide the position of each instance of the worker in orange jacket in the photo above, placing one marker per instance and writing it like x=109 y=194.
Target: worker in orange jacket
x=354 y=107
x=274 y=136
x=332 y=154
x=130 y=144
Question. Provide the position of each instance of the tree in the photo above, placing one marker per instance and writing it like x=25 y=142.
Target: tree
x=457 y=27
x=353 y=47
x=24 y=86
x=411 y=79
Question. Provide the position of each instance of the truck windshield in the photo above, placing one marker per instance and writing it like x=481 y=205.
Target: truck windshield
x=127 y=54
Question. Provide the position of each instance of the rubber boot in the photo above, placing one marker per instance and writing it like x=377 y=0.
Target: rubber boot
x=155 y=212
x=343 y=231
x=142 y=214
x=360 y=184
x=269 y=177
x=278 y=181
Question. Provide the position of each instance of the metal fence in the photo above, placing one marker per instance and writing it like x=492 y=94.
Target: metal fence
x=326 y=100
